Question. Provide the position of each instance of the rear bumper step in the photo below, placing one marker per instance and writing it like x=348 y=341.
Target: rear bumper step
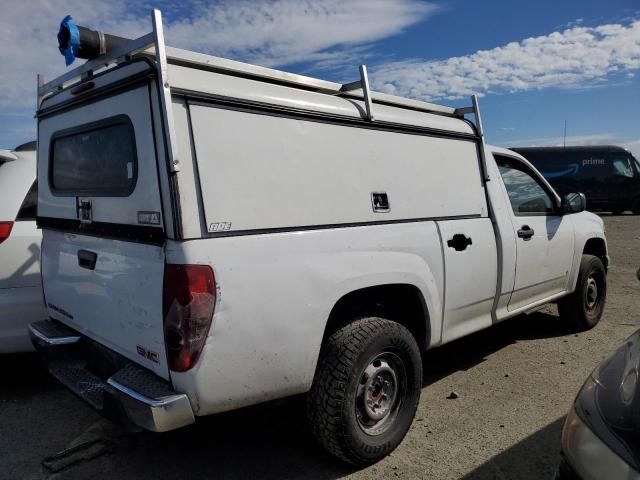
x=147 y=400
x=53 y=333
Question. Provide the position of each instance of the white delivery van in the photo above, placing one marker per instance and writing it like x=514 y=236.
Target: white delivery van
x=217 y=234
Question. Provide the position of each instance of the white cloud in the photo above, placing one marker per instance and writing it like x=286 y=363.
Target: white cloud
x=580 y=57
x=274 y=32
x=28 y=42
x=290 y=31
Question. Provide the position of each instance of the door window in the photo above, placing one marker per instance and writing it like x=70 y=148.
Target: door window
x=526 y=194
x=622 y=167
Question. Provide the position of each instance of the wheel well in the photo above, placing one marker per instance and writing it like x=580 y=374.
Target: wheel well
x=596 y=247
x=402 y=303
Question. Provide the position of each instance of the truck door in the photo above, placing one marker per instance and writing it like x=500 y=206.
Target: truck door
x=544 y=238
x=471 y=269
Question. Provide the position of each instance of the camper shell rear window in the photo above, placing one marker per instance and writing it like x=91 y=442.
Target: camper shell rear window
x=97 y=159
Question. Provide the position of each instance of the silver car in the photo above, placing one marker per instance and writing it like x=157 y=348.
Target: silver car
x=601 y=435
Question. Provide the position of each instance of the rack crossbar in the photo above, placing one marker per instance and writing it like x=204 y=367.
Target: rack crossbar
x=127 y=49
x=178 y=56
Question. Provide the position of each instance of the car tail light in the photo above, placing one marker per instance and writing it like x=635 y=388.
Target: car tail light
x=5 y=230
x=189 y=299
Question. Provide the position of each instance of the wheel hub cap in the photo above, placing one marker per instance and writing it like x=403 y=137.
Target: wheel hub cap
x=592 y=293
x=378 y=393
x=380 y=389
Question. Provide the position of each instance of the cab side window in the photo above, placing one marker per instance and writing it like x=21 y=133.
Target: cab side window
x=28 y=210
x=622 y=167
x=526 y=195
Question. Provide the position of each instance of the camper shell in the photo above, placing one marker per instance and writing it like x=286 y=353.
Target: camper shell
x=208 y=91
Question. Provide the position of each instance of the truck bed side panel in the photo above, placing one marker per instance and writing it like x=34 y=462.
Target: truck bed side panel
x=275 y=294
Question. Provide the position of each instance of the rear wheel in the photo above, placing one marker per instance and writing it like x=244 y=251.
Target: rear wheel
x=635 y=206
x=585 y=305
x=366 y=390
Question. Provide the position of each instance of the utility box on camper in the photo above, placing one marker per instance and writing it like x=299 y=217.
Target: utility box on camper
x=217 y=234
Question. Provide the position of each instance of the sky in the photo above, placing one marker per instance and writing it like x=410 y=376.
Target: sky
x=535 y=64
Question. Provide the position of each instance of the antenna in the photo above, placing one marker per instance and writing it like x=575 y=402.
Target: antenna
x=564 y=142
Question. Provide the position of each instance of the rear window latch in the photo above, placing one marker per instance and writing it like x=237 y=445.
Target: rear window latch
x=84 y=210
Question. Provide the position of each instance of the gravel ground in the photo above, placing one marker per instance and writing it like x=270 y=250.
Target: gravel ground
x=515 y=383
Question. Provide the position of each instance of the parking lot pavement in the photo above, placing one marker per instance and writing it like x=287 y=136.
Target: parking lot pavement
x=514 y=382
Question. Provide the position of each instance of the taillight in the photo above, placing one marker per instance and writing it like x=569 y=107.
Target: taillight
x=189 y=300
x=5 y=230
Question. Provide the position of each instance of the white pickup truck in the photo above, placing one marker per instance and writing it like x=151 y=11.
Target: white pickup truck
x=217 y=234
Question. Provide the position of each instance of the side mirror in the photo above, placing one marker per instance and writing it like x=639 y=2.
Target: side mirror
x=574 y=203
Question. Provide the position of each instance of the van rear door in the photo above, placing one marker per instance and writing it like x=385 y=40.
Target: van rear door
x=103 y=229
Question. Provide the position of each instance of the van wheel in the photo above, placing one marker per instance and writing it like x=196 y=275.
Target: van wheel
x=366 y=390
x=585 y=305
x=635 y=206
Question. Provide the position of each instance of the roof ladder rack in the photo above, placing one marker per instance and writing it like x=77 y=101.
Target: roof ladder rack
x=165 y=91
x=363 y=84
x=475 y=110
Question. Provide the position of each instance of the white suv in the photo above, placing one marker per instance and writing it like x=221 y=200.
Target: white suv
x=20 y=291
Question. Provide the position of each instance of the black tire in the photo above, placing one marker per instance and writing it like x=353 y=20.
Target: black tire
x=360 y=361
x=635 y=206
x=585 y=305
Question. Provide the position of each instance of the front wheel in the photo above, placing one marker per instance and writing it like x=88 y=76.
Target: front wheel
x=635 y=206
x=585 y=305
x=366 y=390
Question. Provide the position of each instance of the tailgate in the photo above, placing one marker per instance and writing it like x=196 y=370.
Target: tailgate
x=99 y=204
x=118 y=302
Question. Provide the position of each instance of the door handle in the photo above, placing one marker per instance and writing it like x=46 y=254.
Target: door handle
x=526 y=232
x=459 y=242
x=87 y=259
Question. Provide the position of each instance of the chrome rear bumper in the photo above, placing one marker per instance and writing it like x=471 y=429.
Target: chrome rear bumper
x=109 y=382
